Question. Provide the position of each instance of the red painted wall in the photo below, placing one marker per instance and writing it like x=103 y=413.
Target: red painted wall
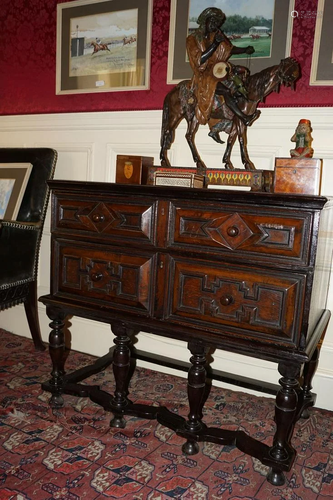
x=28 y=62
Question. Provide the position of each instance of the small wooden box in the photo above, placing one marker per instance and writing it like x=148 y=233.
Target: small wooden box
x=170 y=170
x=298 y=175
x=178 y=179
x=133 y=169
x=254 y=180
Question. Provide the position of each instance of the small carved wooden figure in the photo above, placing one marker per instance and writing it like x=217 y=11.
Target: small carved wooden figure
x=303 y=139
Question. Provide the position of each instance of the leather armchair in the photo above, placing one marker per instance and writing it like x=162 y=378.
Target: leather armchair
x=20 y=240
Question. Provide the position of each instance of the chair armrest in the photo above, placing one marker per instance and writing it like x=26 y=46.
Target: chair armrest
x=33 y=226
x=19 y=249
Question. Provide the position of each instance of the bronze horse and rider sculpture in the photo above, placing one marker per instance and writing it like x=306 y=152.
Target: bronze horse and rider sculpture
x=220 y=94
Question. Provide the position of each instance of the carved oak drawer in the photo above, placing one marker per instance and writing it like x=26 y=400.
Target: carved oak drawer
x=105 y=219
x=246 y=233
x=106 y=276
x=241 y=300
x=234 y=268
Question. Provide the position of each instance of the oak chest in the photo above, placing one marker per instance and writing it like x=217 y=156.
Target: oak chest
x=244 y=272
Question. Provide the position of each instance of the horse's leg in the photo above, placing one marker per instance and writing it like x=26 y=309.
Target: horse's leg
x=230 y=144
x=242 y=138
x=166 y=141
x=170 y=121
x=192 y=128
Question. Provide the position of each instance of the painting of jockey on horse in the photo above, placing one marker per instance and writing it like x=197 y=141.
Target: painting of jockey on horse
x=107 y=43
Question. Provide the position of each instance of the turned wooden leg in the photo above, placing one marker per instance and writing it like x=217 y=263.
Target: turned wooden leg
x=57 y=354
x=285 y=413
x=307 y=397
x=121 y=369
x=196 y=387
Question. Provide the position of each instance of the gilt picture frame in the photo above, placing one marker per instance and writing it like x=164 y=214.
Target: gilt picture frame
x=14 y=178
x=281 y=36
x=103 y=46
x=322 y=55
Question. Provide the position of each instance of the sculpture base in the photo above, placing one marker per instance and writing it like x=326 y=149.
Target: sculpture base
x=254 y=180
x=179 y=179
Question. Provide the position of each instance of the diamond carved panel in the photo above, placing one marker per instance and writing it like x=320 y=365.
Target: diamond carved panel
x=98 y=218
x=231 y=232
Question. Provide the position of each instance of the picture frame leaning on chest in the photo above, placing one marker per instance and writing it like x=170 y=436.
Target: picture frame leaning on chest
x=13 y=182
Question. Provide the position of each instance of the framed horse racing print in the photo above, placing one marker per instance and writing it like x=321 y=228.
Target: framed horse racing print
x=103 y=46
x=264 y=24
x=322 y=55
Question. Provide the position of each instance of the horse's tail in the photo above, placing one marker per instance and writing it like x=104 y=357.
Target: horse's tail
x=166 y=137
x=174 y=110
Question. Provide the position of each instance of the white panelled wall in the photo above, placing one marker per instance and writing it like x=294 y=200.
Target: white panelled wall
x=88 y=144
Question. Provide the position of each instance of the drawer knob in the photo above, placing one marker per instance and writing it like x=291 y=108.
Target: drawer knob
x=233 y=231
x=98 y=218
x=226 y=300
x=96 y=276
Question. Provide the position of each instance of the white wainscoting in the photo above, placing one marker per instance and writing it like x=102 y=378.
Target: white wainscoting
x=88 y=144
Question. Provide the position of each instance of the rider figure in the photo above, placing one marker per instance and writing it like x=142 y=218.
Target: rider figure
x=206 y=47
x=237 y=76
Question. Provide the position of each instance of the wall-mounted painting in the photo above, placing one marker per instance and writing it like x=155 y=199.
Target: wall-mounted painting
x=264 y=24
x=322 y=56
x=13 y=181
x=103 y=46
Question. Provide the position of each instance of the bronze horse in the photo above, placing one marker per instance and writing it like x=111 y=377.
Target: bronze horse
x=180 y=103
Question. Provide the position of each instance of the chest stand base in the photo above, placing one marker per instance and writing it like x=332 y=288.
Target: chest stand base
x=292 y=401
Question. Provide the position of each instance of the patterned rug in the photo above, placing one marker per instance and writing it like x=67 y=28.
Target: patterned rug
x=73 y=454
